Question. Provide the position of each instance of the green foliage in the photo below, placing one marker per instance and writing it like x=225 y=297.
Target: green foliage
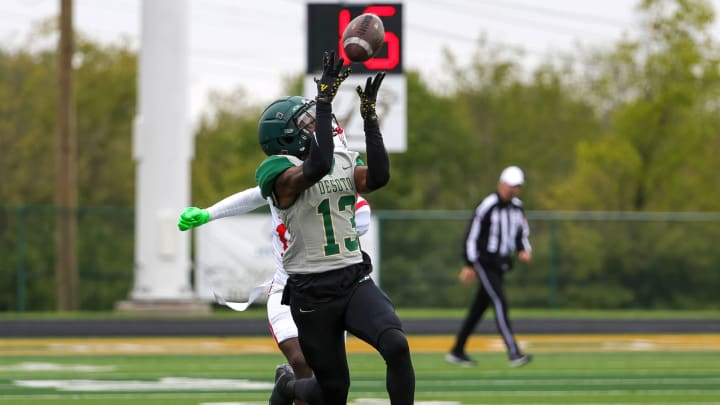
x=614 y=184
x=106 y=97
x=27 y=125
x=510 y=120
x=436 y=140
x=27 y=232
x=421 y=270
x=659 y=94
x=105 y=92
x=602 y=263
x=226 y=149
x=105 y=255
x=630 y=127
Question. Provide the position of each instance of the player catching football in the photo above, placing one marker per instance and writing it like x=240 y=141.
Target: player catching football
x=329 y=288
x=282 y=327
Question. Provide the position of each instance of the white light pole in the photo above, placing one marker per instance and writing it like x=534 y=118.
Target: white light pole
x=163 y=151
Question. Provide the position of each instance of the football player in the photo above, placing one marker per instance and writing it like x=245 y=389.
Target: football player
x=282 y=326
x=329 y=288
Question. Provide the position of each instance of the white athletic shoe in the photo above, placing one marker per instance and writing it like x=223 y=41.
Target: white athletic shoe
x=520 y=360
x=461 y=359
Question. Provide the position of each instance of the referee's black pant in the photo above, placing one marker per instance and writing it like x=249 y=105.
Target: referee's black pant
x=490 y=290
x=329 y=305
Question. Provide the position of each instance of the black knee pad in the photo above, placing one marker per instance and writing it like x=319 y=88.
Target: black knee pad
x=393 y=346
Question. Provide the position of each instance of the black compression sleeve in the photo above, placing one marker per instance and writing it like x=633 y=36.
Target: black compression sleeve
x=378 y=163
x=319 y=160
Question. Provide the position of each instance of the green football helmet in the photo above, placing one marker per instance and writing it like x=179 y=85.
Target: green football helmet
x=286 y=127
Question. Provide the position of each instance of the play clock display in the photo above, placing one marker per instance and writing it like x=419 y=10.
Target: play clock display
x=327 y=22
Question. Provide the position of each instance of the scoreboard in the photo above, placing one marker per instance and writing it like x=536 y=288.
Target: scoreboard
x=325 y=25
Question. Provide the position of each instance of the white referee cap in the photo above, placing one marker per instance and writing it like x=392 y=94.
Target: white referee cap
x=512 y=176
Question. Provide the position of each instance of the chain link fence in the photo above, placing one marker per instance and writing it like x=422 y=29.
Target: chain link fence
x=600 y=260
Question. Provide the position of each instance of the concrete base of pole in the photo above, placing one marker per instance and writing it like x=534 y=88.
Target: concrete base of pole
x=164 y=307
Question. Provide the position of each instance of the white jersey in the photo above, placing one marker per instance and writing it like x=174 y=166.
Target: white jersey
x=250 y=199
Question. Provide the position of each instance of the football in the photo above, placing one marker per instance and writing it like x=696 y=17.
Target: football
x=363 y=37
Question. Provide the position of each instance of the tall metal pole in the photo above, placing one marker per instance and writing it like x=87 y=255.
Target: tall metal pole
x=66 y=276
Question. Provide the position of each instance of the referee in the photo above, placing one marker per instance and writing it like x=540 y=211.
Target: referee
x=498 y=229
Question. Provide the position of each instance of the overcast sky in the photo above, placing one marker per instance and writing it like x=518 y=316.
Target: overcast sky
x=229 y=39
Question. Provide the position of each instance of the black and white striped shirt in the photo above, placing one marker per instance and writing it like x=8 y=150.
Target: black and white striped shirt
x=497 y=230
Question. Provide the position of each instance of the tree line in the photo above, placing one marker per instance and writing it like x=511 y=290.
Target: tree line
x=632 y=126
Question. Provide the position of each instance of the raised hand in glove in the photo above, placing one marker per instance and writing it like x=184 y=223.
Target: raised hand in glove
x=368 y=96
x=333 y=75
x=192 y=217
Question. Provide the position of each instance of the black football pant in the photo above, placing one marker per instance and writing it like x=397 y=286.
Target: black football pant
x=490 y=290
x=367 y=313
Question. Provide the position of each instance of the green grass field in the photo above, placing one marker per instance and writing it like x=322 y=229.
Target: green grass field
x=50 y=372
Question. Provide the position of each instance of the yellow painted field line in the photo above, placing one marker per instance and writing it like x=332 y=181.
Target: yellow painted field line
x=418 y=344
x=578 y=343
